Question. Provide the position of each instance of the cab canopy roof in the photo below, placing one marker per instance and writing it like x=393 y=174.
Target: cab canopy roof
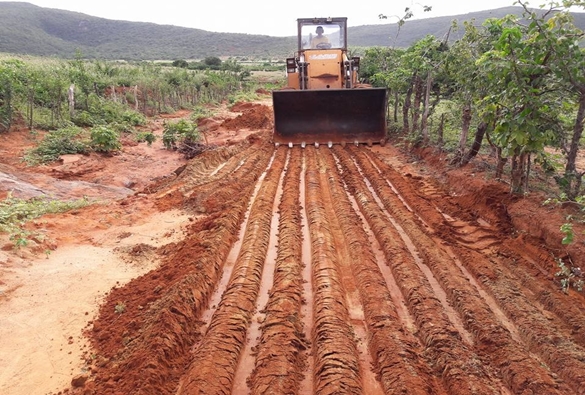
x=334 y=28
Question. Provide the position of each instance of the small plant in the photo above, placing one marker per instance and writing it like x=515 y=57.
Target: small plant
x=120 y=307
x=59 y=142
x=567 y=228
x=133 y=118
x=105 y=139
x=84 y=118
x=176 y=133
x=20 y=238
x=200 y=112
x=149 y=137
x=121 y=127
x=569 y=276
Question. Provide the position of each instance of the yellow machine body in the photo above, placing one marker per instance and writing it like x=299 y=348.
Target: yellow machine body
x=323 y=102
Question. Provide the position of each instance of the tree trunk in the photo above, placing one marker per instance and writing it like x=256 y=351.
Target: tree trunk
x=418 y=93
x=5 y=105
x=500 y=164
x=528 y=168
x=440 y=140
x=30 y=108
x=406 y=110
x=479 y=133
x=465 y=122
x=396 y=106
x=425 y=117
x=136 y=97
x=71 y=100
x=518 y=173
x=574 y=185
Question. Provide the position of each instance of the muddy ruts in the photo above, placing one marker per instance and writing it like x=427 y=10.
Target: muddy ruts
x=158 y=350
x=334 y=350
x=569 y=307
x=397 y=354
x=211 y=197
x=216 y=166
x=280 y=361
x=204 y=169
x=226 y=159
x=521 y=372
x=451 y=358
x=216 y=357
x=545 y=337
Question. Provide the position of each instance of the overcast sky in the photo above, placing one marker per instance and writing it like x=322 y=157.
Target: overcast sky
x=270 y=17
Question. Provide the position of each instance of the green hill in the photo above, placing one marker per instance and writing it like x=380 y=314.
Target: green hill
x=33 y=30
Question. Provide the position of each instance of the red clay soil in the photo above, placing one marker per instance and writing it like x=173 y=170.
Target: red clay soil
x=355 y=270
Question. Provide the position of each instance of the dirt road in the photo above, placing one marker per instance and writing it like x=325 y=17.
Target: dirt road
x=268 y=270
x=327 y=271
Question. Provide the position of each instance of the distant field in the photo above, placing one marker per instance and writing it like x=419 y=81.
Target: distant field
x=269 y=76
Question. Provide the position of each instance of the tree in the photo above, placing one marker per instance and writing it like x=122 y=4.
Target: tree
x=382 y=67
x=212 y=61
x=467 y=85
x=562 y=39
x=522 y=96
x=11 y=76
x=180 y=63
x=424 y=59
x=81 y=77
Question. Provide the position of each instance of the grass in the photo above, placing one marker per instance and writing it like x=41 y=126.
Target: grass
x=16 y=212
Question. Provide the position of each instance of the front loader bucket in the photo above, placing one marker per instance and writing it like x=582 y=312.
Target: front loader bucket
x=329 y=116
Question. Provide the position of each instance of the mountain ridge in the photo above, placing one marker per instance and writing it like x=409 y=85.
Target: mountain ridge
x=29 y=29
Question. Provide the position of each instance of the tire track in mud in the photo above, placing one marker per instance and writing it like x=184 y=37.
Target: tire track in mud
x=519 y=369
x=396 y=352
x=452 y=358
x=344 y=266
x=162 y=336
x=219 y=350
x=282 y=328
x=337 y=367
x=368 y=291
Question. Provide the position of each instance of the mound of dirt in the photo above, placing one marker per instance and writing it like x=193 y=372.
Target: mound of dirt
x=254 y=116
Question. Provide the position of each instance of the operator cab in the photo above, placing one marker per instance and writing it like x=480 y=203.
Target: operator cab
x=333 y=29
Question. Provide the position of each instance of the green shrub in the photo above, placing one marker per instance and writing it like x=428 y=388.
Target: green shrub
x=133 y=118
x=121 y=127
x=59 y=142
x=200 y=112
x=84 y=118
x=104 y=112
x=243 y=96
x=149 y=137
x=176 y=133
x=105 y=139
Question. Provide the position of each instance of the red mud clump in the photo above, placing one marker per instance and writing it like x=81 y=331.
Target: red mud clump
x=254 y=116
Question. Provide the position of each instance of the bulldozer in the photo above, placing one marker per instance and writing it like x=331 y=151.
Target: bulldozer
x=323 y=102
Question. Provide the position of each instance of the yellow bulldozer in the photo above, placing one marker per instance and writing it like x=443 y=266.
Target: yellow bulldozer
x=323 y=102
